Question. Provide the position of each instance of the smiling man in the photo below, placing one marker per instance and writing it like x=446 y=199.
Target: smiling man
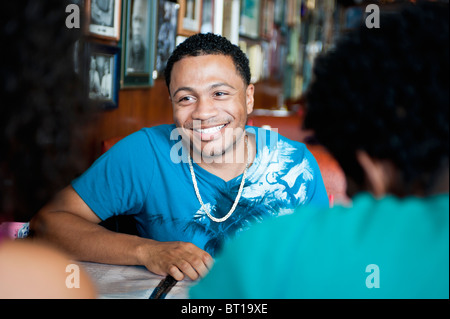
x=210 y=110
x=191 y=185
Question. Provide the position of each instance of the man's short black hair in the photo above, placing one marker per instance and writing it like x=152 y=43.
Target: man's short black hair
x=205 y=44
x=386 y=91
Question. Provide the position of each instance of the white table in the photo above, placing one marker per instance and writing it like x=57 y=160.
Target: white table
x=130 y=282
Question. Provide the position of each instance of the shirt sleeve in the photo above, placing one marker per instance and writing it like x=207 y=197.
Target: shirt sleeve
x=118 y=182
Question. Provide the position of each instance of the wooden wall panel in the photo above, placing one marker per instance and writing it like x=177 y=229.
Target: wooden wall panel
x=137 y=108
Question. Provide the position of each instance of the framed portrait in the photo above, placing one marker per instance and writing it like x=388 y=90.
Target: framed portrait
x=250 y=17
x=166 y=34
x=189 y=17
x=102 y=74
x=138 y=43
x=103 y=18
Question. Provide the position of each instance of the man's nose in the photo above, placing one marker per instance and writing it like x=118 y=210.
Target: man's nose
x=204 y=110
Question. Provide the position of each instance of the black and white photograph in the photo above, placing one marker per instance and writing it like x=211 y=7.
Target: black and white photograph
x=167 y=32
x=138 y=43
x=100 y=78
x=104 y=18
x=102 y=69
x=137 y=37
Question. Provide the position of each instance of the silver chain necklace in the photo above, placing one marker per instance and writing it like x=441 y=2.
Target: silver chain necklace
x=236 y=201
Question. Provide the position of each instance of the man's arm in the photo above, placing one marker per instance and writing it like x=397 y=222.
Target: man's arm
x=71 y=225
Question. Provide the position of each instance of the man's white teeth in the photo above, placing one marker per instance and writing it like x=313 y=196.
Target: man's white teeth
x=210 y=130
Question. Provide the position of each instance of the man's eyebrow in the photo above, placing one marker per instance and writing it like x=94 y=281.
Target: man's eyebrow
x=183 y=88
x=212 y=86
x=216 y=85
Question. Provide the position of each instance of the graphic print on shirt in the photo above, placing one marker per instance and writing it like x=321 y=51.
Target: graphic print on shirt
x=276 y=188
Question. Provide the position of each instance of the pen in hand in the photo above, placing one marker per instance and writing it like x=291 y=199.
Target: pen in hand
x=163 y=288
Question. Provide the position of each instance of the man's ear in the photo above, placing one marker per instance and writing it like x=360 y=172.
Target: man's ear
x=249 y=98
x=378 y=173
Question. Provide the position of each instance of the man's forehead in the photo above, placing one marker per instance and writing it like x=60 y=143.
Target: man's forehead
x=213 y=58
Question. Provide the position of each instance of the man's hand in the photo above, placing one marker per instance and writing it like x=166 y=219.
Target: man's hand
x=176 y=259
x=68 y=222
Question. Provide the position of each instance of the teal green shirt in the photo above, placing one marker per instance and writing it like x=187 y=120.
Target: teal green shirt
x=386 y=248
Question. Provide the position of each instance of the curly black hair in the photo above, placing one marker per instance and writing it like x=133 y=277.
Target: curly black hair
x=42 y=102
x=386 y=91
x=205 y=44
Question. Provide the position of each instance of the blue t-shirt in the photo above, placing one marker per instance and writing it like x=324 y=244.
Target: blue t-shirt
x=147 y=175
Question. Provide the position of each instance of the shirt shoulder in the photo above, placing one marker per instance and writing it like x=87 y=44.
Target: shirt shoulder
x=277 y=148
x=126 y=170
x=163 y=131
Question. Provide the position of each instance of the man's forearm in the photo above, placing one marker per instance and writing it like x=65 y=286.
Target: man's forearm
x=87 y=241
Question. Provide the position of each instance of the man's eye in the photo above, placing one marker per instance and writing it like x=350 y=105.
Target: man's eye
x=185 y=99
x=219 y=94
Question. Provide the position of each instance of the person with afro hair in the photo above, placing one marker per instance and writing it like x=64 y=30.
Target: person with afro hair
x=379 y=102
x=42 y=109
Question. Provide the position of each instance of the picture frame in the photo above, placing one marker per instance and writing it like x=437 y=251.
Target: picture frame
x=101 y=74
x=189 y=17
x=250 y=17
x=166 y=35
x=103 y=18
x=138 y=43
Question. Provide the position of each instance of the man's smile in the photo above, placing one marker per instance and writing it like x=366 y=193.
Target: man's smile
x=209 y=133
